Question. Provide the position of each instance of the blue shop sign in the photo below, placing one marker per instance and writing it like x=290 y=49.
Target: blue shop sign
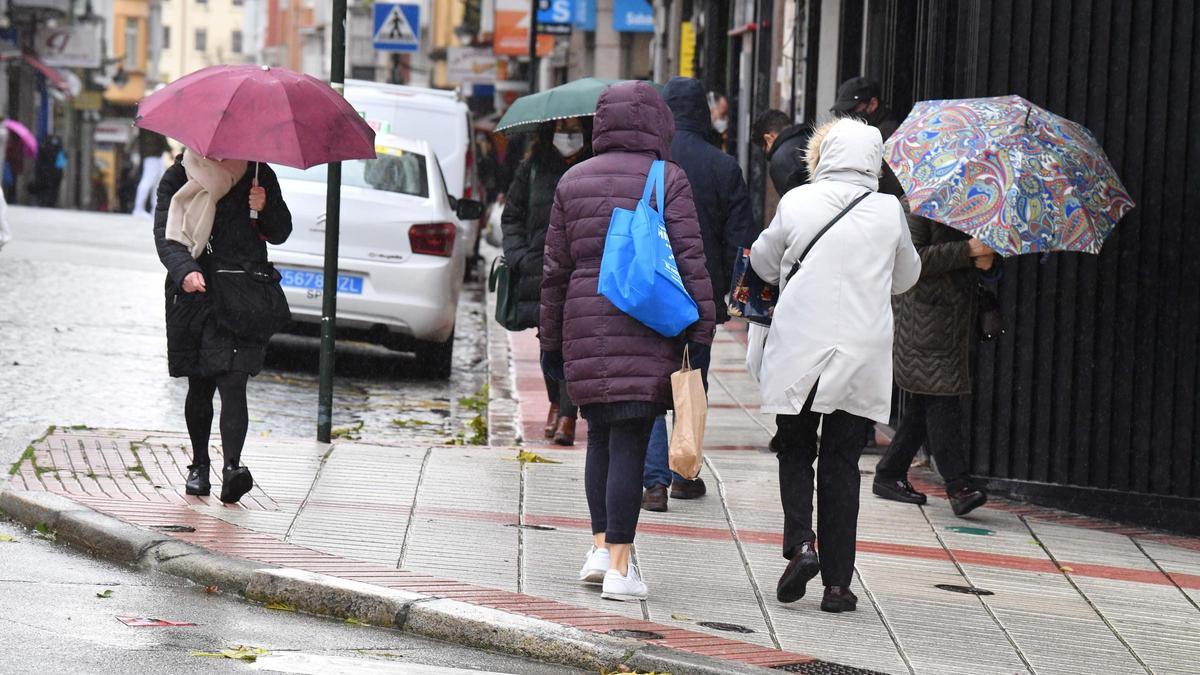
x=633 y=16
x=584 y=15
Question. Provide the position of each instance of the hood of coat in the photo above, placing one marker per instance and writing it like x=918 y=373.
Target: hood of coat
x=685 y=97
x=851 y=152
x=632 y=117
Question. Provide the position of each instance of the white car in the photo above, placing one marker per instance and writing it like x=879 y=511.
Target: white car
x=403 y=247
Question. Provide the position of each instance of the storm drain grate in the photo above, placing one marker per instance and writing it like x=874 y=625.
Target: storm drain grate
x=823 y=668
x=727 y=627
x=635 y=634
x=969 y=590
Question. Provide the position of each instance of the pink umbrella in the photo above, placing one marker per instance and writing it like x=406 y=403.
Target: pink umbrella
x=22 y=132
x=259 y=114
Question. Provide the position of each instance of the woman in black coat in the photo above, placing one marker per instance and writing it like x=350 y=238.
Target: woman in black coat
x=557 y=146
x=199 y=347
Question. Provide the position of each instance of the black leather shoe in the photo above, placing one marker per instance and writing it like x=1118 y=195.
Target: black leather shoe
x=688 y=489
x=803 y=566
x=838 y=599
x=235 y=483
x=897 y=491
x=655 y=499
x=197 y=481
x=966 y=500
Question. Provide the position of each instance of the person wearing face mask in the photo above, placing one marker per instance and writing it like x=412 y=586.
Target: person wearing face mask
x=860 y=97
x=718 y=113
x=556 y=147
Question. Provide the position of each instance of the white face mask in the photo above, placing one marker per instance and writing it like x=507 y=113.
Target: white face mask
x=721 y=125
x=568 y=145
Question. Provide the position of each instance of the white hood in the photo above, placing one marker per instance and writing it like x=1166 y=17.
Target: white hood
x=852 y=152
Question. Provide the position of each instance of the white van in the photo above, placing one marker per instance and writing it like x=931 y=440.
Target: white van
x=436 y=116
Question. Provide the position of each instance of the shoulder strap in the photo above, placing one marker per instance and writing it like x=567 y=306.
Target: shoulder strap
x=654 y=182
x=796 y=265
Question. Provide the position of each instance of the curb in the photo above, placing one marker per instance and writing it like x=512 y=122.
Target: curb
x=439 y=618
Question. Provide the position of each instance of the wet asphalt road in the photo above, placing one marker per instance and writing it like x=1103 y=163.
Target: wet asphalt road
x=82 y=342
x=51 y=621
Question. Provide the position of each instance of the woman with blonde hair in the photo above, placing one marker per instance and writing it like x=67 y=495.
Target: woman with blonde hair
x=839 y=249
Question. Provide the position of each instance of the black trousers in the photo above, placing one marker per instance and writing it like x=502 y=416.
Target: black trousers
x=557 y=393
x=837 y=483
x=235 y=418
x=935 y=422
x=616 y=454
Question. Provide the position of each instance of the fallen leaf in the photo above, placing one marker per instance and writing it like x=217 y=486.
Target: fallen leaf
x=108 y=593
x=212 y=589
x=680 y=617
x=147 y=622
x=42 y=530
x=7 y=537
x=526 y=456
x=281 y=606
x=239 y=653
x=1067 y=569
x=355 y=622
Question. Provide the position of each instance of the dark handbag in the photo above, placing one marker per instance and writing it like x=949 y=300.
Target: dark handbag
x=989 y=320
x=503 y=281
x=247 y=299
x=753 y=299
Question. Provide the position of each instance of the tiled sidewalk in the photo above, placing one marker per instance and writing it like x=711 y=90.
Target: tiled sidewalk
x=1070 y=595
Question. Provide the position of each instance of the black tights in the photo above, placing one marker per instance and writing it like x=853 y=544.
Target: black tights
x=198 y=411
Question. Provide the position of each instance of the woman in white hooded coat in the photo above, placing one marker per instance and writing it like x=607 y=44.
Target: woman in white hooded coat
x=828 y=354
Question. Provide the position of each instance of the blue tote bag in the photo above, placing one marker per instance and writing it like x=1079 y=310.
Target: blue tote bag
x=638 y=273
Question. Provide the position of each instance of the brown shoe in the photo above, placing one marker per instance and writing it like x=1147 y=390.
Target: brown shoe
x=655 y=499
x=565 y=433
x=688 y=489
x=552 y=421
x=838 y=599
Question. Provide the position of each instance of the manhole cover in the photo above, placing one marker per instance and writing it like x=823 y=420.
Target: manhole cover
x=823 y=668
x=728 y=627
x=173 y=528
x=542 y=528
x=635 y=634
x=969 y=590
x=979 y=531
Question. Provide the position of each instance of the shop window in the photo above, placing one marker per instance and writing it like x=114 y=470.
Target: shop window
x=236 y=42
x=132 y=43
x=201 y=41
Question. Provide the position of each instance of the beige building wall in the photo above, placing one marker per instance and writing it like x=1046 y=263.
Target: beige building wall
x=220 y=24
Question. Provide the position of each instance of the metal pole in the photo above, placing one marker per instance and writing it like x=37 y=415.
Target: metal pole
x=333 y=203
x=533 y=40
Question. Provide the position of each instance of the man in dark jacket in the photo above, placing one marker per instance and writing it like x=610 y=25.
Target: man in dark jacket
x=784 y=144
x=726 y=224
x=860 y=97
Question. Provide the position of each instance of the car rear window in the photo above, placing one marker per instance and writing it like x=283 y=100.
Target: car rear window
x=391 y=171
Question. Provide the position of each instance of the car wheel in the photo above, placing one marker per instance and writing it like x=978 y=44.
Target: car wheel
x=434 y=359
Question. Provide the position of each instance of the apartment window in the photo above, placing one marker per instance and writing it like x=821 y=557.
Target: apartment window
x=201 y=41
x=237 y=42
x=238 y=3
x=166 y=37
x=132 y=43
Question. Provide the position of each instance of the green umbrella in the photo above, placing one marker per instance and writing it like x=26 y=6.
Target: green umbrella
x=573 y=99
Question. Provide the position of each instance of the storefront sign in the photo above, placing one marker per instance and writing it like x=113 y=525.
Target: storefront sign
x=633 y=16
x=584 y=15
x=63 y=6
x=687 y=50
x=512 y=30
x=554 y=17
x=76 y=46
x=475 y=65
x=10 y=42
x=114 y=130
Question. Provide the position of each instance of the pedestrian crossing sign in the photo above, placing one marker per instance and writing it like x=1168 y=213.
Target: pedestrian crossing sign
x=397 y=26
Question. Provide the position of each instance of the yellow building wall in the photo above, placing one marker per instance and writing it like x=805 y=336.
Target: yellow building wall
x=135 y=86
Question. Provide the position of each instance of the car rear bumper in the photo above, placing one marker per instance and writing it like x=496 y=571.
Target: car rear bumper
x=417 y=298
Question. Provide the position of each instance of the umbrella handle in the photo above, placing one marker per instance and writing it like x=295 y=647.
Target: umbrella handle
x=253 y=213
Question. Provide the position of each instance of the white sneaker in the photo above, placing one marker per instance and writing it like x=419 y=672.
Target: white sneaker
x=631 y=587
x=595 y=566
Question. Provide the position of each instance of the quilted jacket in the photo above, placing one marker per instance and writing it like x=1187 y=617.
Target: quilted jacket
x=935 y=321
x=610 y=357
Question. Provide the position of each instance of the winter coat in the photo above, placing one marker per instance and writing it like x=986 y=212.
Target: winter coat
x=722 y=200
x=525 y=219
x=609 y=356
x=785 y=161
x=833 y=321
x=935 y=321
x=197 y=345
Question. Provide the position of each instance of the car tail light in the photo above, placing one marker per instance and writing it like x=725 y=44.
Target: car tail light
x=432 y=239
x=468 y=188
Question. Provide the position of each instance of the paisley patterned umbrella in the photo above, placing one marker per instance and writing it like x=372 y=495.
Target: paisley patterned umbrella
x=1020 y=178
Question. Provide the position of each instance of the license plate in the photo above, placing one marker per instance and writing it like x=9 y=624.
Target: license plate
x=347 y=283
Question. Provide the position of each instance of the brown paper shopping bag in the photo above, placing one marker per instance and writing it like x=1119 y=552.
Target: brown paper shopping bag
x=691 y=414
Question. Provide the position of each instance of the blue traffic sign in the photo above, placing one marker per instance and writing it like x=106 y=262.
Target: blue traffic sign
x=397 y=27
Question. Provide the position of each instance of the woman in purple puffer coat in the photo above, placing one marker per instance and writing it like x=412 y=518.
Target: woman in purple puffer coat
x=617 y=370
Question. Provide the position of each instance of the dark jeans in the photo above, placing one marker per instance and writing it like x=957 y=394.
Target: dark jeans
x=612 y=476
x=795 y=445
x=936 y=423
x=557 y=393
x=658 y=471
x=235 y=419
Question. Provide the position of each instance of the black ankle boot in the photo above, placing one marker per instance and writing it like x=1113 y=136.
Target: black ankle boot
x=235 y=482
x=197 y=481
x=803 y=566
